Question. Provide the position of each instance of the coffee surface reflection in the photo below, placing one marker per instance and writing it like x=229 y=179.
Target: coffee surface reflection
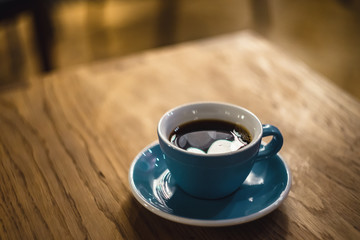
x=210 y=136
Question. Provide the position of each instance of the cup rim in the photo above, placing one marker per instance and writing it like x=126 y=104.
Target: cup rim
x=169 y=144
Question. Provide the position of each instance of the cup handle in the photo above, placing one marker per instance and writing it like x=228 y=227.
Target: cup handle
x=273 y=147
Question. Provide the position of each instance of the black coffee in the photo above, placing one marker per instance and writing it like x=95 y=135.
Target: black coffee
x=210 y=136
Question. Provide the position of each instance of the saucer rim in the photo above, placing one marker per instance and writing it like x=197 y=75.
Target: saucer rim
x=203 y=222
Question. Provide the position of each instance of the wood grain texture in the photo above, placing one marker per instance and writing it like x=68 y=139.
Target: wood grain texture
x=67 y=142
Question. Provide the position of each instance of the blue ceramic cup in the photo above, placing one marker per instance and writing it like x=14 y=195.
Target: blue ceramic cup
x=213 y=176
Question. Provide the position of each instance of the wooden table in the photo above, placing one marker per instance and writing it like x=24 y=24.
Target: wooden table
x=67 y=142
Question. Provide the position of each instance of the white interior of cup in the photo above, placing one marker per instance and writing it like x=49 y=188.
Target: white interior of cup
x=209 y=110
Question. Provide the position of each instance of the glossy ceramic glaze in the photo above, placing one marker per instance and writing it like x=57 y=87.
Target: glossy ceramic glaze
x=214 y=176
x=263 y=191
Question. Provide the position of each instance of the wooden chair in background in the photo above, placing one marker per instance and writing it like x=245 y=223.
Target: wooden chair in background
x=40 y=11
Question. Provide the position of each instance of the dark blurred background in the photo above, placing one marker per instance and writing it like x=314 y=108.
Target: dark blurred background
x=325 y=34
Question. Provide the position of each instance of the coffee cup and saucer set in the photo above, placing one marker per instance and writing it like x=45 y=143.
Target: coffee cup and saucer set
x=210 y=167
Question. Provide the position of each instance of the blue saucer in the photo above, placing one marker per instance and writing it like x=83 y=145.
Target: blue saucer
x=263 y=191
